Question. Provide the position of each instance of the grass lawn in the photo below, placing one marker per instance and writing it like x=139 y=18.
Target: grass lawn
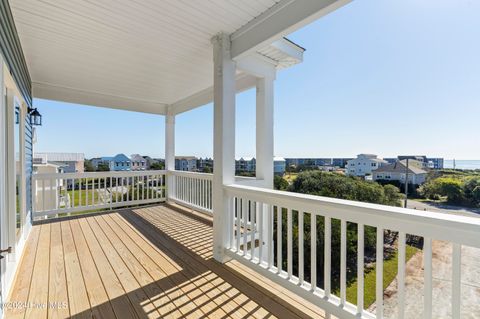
x=75 y=195
x=390 y=268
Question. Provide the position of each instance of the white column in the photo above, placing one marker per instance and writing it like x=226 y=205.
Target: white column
x=223 y=139
x=265 y=152
x=169 y=151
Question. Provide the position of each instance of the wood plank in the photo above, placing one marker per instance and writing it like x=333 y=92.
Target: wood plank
x=192 y=262
x=99 y=301
x=114 y=289
x=39 y=286
x=77 y=294
x=202 y=283
x=162 y=214
x=188 y=258
x=148 y=274
x=21 y=286
x=139 y=299
x=57 y=290
x=195 y=289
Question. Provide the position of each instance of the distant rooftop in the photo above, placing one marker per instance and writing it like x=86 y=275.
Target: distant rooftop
x=44 y=157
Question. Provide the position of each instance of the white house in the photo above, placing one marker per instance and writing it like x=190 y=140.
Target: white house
x=397 y=172
x=70 y=162
x=363 y=165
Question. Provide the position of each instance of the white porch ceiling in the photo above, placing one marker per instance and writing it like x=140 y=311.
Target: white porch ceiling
x=141 y=55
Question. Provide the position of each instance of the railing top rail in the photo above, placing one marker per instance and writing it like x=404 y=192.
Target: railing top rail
x=454 y=228
x=96 y=174
x=192 y=174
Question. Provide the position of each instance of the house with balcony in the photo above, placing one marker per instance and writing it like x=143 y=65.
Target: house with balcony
x=245 y=164
x=186 y=163
x=119 y=162
x=138 y=162
x=364 y=165
x=177 y=244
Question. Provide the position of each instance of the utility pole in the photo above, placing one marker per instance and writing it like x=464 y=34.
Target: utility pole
x=406 y=184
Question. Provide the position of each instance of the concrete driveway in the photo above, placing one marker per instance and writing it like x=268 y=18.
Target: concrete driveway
x=442 y=284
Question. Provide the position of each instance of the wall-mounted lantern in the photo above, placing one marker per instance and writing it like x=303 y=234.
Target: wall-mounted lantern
x=35 y=117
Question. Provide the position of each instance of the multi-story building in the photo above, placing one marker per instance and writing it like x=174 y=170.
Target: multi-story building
x=340 y=161
x=308 y=162
x=435 y=162
x=428 y=162
x=139 y=163
x=69 y=162
x=205 y=164
x=186 y=163
x=363 y=165
x=279 y=165
x=119 y=162
x=245 y=164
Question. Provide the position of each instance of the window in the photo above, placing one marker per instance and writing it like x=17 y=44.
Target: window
x=18 y=173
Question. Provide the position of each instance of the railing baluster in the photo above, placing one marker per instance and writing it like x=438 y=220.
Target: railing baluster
x=360 y=269
x=111 y=191
x=231 y=222
x=456 y=280
x=253 y=213
x=137 y=185
x=289 y=243
x=239 y=215
x=260 y=210
x=343 y=262
x=245 y=226
x=427 y=274
x=270 y=235
x=43 y=195
x=379 y=274
x=328 y=256
x=401 y=275
x=279 y=239
x=72 y=204
x=313 y=250
x=80 y=191
x=301 y=267
x=87 y=203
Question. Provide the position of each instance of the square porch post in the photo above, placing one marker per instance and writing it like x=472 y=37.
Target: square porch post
x=223 y=139
x=264 y=131
x=170 y=153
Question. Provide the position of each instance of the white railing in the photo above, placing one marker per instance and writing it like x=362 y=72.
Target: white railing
x=62 y=194
x=270 y=229
x=191 y=189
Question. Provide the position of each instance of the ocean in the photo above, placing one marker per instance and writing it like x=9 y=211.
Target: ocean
x=463 y=164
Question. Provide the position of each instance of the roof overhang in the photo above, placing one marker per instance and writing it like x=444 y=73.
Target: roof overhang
x=153 y=57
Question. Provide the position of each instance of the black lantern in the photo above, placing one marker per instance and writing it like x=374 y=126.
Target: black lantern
x=35 y=117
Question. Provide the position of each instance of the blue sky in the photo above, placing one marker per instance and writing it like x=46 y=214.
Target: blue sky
x=384 y=77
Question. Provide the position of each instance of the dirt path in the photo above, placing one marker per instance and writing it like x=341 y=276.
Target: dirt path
x=442 y=284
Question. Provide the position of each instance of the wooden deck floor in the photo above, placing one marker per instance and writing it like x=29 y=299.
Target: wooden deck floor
x=153 y=262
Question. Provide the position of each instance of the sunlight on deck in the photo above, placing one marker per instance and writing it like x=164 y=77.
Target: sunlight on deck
x=153 y=262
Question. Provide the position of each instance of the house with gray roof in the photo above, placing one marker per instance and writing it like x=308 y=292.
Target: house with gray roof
x=398 y=171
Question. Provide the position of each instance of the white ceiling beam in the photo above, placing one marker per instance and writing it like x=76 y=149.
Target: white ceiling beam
x=243 y=82
x=258 y=65
x=280 y=20
x=69 y=95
